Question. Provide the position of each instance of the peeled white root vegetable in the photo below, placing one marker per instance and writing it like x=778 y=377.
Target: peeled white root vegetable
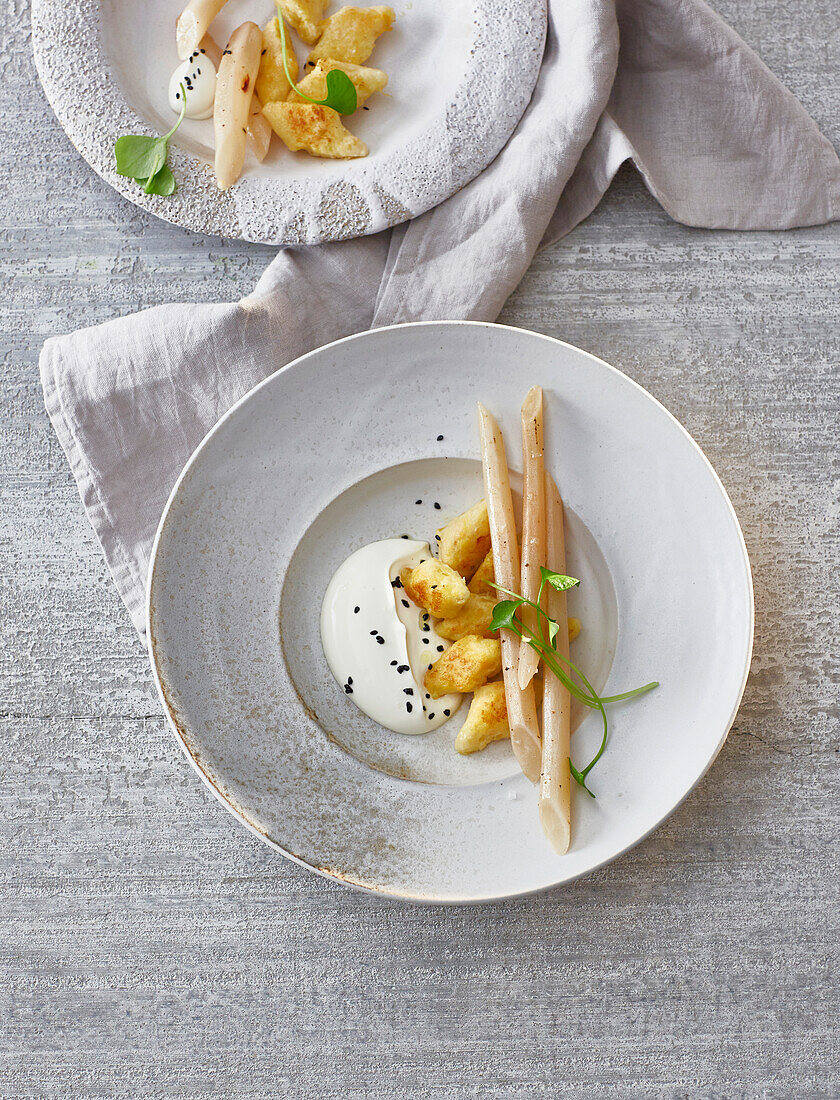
x=193 y=23
x=259 y=131
x=235 y=81
x=521 y=706
x=533 y=521
x=555 y=777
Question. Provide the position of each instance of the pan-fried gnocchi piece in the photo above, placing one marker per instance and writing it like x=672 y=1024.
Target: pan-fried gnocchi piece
x=351 y=34
x=480 y=584
x=473 y=618
x=466 y=665
x=465 y=541
x=272 y=82
x=487 y=719
x=435 y=587
x=316 y=129
x=307 y=17
x=365 y=81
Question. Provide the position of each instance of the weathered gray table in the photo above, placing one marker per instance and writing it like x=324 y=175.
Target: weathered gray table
x=149 y=946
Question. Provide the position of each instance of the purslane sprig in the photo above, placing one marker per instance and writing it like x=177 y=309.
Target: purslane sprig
x=341 y=91
x=143 y=158
x=505 y=618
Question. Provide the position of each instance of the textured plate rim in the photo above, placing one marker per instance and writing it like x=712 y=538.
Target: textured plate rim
x=80 y=85
x=404 y=895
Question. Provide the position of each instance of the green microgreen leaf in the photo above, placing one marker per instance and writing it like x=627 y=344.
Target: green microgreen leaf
x=580 y=778
x=341 y=91
x=161 y=183
x=558 y=580
x=143 y=158
x=504 y=615
x=139 y=157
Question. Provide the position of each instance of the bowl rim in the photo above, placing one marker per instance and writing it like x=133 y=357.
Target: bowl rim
x=366 y=888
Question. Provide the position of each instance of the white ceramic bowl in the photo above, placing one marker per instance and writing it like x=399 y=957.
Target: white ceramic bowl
x=332 y=452
x=461 y=74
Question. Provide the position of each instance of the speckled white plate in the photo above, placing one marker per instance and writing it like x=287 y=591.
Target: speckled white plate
x=461 y=74
x=332 y=452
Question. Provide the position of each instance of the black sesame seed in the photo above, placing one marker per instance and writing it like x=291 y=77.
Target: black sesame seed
x=356 y=610
x=373 y=633
x=440 y=649
x=405 y=603
x=404 y=536
x=177 y=95
x=418 y=502
x=380 y=640
x=365 y=108
x=440 y=439
x=434 y=586
x=393 y=662
x=425 y=641
x=437 y=506
x=428 y=696
x=402 y=668
x=408 y=707
x=349 y=679
x=431 y=716
x=447 y=713
x=408 y=691
x=397 y=583
x=437 y=538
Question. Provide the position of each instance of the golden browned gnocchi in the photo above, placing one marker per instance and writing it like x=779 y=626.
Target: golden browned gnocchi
x=351 y=34
x=465 y=666
x=487 y=719
x=464 y=542
x=307 y=18
x=435 y=587
x=483 y=578
x=473 y=618
x=272 y=82
x=313 y=128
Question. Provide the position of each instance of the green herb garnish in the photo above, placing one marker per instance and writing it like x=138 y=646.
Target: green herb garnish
x=341 y=91
x=505 y=618
x=144 y=158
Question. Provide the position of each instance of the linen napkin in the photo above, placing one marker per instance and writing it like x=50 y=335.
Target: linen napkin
x=718 y=140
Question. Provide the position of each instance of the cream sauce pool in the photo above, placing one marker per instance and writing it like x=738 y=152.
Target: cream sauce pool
x=378 y=644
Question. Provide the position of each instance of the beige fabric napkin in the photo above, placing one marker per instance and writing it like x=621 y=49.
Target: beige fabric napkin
x=718 y=140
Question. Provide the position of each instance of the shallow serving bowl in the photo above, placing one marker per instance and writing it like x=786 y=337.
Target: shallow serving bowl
x=333 y=452
x=461 y=74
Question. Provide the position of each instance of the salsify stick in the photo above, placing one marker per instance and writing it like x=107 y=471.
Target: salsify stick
x=555 y=776
x=259 y=130
x=533 y=521
x=234 y=91
x=521 y=707
x=193 y=23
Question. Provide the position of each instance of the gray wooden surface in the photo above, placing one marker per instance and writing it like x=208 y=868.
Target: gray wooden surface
x=150 y=947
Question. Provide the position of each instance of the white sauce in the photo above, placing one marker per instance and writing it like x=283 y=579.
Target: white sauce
x=384 y=678
x=198 y=75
